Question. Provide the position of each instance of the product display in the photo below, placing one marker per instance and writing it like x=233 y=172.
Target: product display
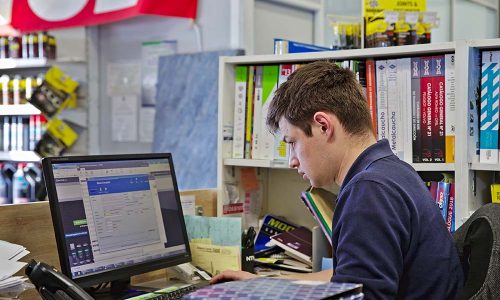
x=56 y=92
x=58 y=136
x=28 y=46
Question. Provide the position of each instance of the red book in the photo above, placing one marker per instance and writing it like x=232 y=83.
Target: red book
x=426 y=108
x=450 y=215
x=438 y=117
x=296 y=243
x=371 y=97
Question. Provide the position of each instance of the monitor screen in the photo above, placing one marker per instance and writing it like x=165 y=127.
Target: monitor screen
x=115 y=216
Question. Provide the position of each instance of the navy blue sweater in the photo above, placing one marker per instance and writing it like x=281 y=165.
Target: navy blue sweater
x=388 y=233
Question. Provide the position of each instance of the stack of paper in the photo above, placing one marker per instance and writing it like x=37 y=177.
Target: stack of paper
x=9 y=264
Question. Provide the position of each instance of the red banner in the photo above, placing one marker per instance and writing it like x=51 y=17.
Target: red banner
x=37 y=15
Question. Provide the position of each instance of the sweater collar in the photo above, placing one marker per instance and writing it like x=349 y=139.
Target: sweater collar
x=371 y=154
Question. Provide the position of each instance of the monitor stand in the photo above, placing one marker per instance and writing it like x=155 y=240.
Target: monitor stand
x=119 y=289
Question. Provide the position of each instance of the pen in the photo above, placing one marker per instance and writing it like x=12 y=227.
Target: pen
x=203 y=270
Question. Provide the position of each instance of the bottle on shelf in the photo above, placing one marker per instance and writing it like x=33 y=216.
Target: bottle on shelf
x=20 y=186
x=8 y=170
x=4 y=191
x=4 y=47
x=33 y=45
x=52 y=52
x=25 y=46
x=15 y=47
x=34 y=177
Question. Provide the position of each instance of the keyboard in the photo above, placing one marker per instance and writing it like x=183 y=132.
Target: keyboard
x=173 y=292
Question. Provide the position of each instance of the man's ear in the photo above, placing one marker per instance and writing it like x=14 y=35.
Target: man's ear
x=324 y=122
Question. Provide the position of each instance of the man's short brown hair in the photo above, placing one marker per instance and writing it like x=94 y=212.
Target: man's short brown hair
x=320 y=86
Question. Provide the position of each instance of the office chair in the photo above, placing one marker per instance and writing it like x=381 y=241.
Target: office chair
x=478 y=245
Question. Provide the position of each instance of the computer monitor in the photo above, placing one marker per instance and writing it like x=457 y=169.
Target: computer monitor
x=115 y=216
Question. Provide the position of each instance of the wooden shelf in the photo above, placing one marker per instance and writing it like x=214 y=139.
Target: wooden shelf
x=19 y=156
x=18 y=110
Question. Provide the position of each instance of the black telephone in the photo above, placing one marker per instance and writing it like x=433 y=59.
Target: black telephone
x=52 y=285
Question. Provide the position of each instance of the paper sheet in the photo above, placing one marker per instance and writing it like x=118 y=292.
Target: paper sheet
x=9 y=250
x=151 y=52
x=188 y=205
x=146 y=124
x=223 y=231
x=124 y=118
x=9 y=268
x=124 y=79
x=216 y=259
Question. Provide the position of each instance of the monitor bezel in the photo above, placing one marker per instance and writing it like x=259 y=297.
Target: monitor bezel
x=120 y=273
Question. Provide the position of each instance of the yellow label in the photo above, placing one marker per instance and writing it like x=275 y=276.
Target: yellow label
x=374 y=7
x=376 y=26
x=60 y=130
x=495 y=193
x=402 y=26
x=58 y=79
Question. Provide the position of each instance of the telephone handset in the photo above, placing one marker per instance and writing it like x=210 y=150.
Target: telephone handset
x=52 y=285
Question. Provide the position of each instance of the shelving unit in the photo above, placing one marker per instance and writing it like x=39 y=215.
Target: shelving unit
x=76 y=67
x=281 y=186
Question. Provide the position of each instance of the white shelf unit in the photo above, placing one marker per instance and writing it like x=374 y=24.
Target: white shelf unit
x=19 y=63
x=281 y=185
x=477 y=177
x=19 y=156
x=18 y=110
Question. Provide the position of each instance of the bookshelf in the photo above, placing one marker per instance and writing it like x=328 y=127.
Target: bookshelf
x=281 y=186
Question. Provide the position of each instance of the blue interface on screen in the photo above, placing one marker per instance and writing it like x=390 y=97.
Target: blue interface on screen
x=117 y=213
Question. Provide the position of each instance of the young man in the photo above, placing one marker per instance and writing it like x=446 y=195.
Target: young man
x=387 y=232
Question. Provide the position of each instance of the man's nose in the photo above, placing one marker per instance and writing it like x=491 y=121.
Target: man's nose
x=293 y=162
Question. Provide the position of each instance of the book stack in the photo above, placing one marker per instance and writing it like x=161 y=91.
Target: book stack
x=296 y=243
x=283 y=245
x=321 y=204
x=255 y=86
x=443 y=194
x=488 y=123
x=420 y=89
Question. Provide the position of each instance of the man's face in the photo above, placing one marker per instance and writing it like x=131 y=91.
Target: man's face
x=308 y=154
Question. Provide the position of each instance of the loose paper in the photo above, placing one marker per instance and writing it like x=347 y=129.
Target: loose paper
x=216 y=259
x=124 y=118
x=151 y=52
x=188 y=205
x=224 y=231
x=124 y=79
x=146 y=124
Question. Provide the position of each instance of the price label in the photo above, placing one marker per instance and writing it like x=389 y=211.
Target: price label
x=391 y=16
x=429 y=18
x=411 y=17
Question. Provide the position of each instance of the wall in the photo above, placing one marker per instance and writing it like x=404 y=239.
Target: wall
x=121 y=42
x=474 y=21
